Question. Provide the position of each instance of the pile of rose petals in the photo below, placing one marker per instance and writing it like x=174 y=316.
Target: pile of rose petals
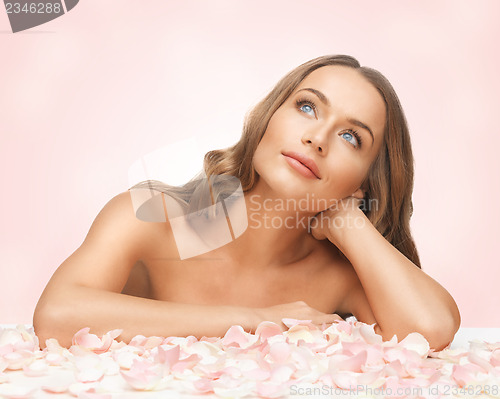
x=345 y=357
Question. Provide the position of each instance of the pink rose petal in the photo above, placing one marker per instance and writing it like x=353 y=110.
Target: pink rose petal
x=143 y=375
x=86 y=340
x=495 y=358
x=344 y=326
x=186 y=363
x=236 y=336
x=11 y=391
x=344 y=379
x=478 y=360
x=92 y=342
x=267 y=329
x=203 y=385
x=10 y=336
x=169 y=357
x=269 y=390
x=463 y=374
x=54 y=359
x=281 y=374
x=36 y=368
x=90 y=375
x=55 y=388
x=280 y=352
x=124 y=359
x=53 y=346
x=368 y=333
x=77 y=388
x=17 y=360
x=348 y=363
x=299 y=332
x=258 y=374
x=416 y=342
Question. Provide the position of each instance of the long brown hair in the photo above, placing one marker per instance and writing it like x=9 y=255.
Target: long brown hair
x=390 y=178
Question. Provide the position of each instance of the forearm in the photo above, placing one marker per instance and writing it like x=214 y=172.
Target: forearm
x=402 y=297
x=102 y=311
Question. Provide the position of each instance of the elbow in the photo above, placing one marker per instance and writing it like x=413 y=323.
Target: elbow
x=48 y=322
x=440 y=334
x=439 y=338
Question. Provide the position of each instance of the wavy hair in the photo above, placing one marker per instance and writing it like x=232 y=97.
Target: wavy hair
x=389 y=181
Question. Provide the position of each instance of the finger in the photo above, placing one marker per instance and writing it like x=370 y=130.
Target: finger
x=331 y=318
x=336 y=317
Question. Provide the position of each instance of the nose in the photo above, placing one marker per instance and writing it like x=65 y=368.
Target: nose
x=317 y=140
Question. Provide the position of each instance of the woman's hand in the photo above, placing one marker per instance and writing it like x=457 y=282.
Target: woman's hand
x=325 y=224
x=295 y=310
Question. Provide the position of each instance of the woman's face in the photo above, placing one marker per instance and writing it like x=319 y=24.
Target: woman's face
x=328 y=119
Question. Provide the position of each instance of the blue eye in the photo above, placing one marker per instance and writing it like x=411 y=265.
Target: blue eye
x=306 y=107
x=354 y=135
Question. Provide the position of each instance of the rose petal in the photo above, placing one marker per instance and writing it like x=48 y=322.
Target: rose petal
x=368 y=333
x=267 y=329
x=143 y=375
x=299 y=332
x=416 y=342
x=11 y=391
x=54 y=359
x=125 y=359
x=280 y=352
x=92 y=342
x=36 y=369
x=77 y=388
x=236 y=336
x=475 y=358
x=85 y=339
x=348 y=363
x=17 y=360
x=9 y=336
x=61 y=388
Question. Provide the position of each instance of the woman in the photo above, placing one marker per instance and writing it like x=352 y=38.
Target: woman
x=331 y=136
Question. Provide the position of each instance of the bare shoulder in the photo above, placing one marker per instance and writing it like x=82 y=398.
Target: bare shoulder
x=150 y=235
x=116 y=240
x=117 y=221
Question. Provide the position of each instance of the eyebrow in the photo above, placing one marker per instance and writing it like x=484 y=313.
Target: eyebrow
x=325 y=101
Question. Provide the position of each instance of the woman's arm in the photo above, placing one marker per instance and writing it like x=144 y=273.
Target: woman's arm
x=402 y=298
x=85 y=291
x=104 y=311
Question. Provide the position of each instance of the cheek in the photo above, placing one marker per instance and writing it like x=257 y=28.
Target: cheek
x=267 y=146
x=261 y=154
x=279 y=127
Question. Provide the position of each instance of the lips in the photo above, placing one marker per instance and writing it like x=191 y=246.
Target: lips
x=305 y=161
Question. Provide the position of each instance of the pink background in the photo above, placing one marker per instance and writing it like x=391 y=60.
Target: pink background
x=83 y=96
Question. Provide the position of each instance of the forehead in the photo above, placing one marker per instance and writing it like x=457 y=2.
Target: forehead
x=349 y=93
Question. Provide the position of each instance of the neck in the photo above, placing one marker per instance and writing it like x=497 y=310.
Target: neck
x=277 y=234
